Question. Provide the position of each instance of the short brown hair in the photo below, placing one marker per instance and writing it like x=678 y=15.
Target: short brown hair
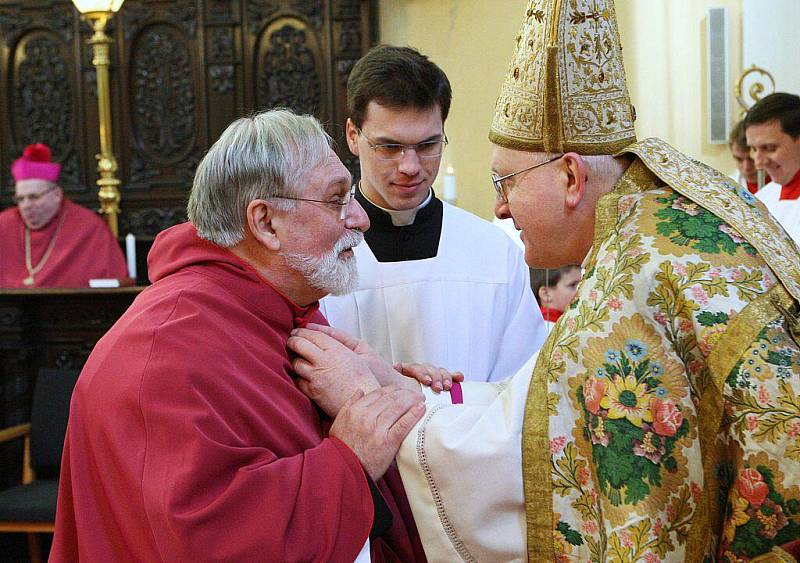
x=543 y=277
x=780 y=106
x=396 y=77
x=737 y=136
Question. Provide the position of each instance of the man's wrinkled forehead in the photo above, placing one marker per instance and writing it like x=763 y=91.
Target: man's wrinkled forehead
x=333 y=174
x=340 y=172
x=30 y=186
x=340 y=182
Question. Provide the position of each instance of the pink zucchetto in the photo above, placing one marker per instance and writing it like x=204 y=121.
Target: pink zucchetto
x=35 y=164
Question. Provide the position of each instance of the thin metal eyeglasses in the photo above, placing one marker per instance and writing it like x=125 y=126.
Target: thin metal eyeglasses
x=33 y=198
x=498 y=180
x=343 y=201
x=396 y=151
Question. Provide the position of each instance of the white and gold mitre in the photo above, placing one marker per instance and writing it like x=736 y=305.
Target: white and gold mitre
x=565 y=90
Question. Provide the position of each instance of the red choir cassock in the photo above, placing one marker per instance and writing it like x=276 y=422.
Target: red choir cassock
x=551 y=315
x=83 y=249
x=189 y=441
x=792 y=189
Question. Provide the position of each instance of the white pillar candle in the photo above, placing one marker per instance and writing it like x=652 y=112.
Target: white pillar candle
x=450 y=191
x=130 y=252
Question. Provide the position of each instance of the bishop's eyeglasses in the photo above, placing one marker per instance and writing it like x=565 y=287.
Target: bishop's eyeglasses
x=396 y=151
x=341 y=201
x=498 y=180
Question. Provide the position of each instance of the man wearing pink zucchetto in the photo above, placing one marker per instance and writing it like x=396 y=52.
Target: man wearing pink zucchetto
x=48 y=241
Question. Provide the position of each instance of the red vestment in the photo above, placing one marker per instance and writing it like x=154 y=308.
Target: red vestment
x=85 y=249
x=188 y=440
x=791 y=190
x=752 y=187
x=551 y=315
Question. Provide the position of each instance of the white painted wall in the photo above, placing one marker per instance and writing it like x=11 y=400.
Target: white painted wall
x=769 y=29
x=664 y=46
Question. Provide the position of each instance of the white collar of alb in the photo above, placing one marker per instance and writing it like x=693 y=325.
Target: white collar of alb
x=402 y=217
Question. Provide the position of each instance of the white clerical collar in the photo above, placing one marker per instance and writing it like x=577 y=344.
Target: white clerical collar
x=402 y=217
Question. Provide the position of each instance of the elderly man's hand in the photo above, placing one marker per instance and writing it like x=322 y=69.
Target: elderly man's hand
x=328 y=372
x=383 y=372
x=329 y=338
x=374 y=425
x=438 y=379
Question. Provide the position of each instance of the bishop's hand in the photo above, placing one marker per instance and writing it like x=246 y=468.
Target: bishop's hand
x=438 y=379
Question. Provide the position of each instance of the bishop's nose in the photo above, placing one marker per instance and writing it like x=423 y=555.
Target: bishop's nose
x=501 y=209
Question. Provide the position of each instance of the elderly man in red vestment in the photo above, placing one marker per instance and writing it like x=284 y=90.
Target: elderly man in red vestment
x=48 y=241
x=188 y=439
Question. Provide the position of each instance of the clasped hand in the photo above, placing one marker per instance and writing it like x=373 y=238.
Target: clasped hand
x=331 y=365
x=351 y=384
x=373 y=404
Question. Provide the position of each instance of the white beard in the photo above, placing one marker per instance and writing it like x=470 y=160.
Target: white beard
x=329 y=272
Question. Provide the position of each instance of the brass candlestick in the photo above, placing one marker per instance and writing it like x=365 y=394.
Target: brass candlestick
x=98 y=12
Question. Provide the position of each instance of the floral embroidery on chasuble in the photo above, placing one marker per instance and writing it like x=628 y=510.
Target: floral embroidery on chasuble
x=663 y=420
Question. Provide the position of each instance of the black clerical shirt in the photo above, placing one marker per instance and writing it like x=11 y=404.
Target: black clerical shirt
x=391 y=243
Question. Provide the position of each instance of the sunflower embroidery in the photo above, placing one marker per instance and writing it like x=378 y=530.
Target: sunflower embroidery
x=627 y=398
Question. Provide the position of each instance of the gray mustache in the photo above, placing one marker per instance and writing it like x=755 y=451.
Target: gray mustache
x=350 y=239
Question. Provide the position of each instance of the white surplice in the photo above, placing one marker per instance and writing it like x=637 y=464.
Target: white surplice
x=470 y=308
x=455 y=447
x=786 y=211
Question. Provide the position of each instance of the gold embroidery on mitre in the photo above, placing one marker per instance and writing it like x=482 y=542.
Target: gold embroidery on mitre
x=565 y=89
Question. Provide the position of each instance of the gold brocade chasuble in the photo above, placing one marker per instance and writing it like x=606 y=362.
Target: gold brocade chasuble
x=663 y=420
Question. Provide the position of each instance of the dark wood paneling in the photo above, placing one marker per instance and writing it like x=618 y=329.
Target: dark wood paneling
x=181 y=71
x=54 y=328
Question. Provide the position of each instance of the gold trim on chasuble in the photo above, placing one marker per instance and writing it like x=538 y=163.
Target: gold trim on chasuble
x=743 y=330
x=740 y=333
x=728 y=201
x=565 y=89
x=536 y=478
x=659 y=164
x=536 y=462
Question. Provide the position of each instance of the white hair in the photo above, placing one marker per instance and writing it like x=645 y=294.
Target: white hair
x=257 y=157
